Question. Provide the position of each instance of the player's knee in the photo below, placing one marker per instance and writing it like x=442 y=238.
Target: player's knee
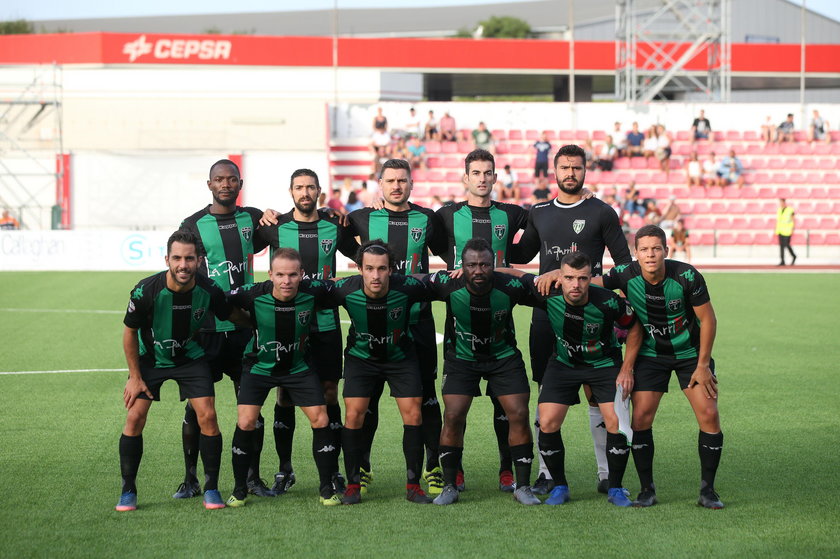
x=319 y=419
x=550 y=424
x=454 y=419
x=412 y=416
x=517 y=416
x=134 y=423
x=208 y=422
x=353 y=419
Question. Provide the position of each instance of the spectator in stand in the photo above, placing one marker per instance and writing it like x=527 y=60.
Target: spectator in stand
x=609 y=199
x=8 y=222
x=589 y=155
x=381 y=154
x=650 y=143
x=701 y=128
x=730 y=171
x=652 y=213
x=818 y=129
x=432 y=127
x=334 y=202
x=482 y=138
x=322 y=200
x=710 y=168
x=767 y=130
x=663 y=149
x=400 y=150
x=634 y=141
x=353 y=202
x=508 y=185
x=679 y=240
x=606 y=159
x=542 y=149
x=784 y=133
x=412 y=124
x=621 y=144
x=417 y=153
x=693 y=171
x=632 y=203
x=371 y=190
x=448 y=129
x=670 y=214
x=539 y=195
x=380 y=123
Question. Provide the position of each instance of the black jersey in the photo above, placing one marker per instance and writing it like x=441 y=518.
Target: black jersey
x=584 y=334
x=166 y=320
x=228 y=244
x=281 y=328
x=666 y=309
x=480 y=327
x=497 y=224
x=556 y=229
x=317 y=242
x=379 y=327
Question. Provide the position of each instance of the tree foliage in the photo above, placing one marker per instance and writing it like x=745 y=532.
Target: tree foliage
x=505 y=27
x=16 y=27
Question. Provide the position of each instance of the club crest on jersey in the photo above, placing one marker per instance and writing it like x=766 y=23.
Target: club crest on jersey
x=197 y=314
x=674 y=304
x=326 y=245
x=500 y=315
x=578 y=225
x=592 y=327
x=303 y=316
x=395 y=313
x=246 y=233
x=499 y=230
x=416 y=233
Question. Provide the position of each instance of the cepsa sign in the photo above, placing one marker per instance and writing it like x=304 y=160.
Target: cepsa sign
x=180 y=49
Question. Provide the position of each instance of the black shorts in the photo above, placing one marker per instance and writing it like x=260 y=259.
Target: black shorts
x=194 y=380
x=561 y=385
x=224 y=351
x=303 y=389
x=541 y=344
x=361 y=377
x=505 y=376
x=425 y=342
x=541 y=168
x=652 y=374
x=325 y=350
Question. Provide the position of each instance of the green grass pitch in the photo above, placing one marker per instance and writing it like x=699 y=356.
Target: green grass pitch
x=777 y=355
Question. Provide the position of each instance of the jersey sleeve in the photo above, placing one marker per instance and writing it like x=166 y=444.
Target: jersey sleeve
x=627 y=317
x=139 y=301
x=323 y=291
x=436 y=236
x=416 y=290
x=696 y=290
x=242 y=296
x=519 y=218
x=439 y=285
x=267 y=236
x=533 y=298
x=259 y=242
x=613 y=236
x=529 y=244
x=218 y=303
x=347 y=244
x=612 y=280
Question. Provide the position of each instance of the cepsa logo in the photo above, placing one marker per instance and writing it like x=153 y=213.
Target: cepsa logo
x=180 y=49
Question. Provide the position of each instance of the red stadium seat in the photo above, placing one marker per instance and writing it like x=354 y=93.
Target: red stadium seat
x=706 y=238
x=821 y=149
x=518 y=148
x=776 y=164
x=703 y=222
x=832 y=239
x=764 y=238
x=752 y=207
x=738 y=223
x=808 y=222
x=449 y=147
x=432 y=146
x=792 y=163
x=499 y=134
x=796 y=178
x=760 y=223
x=828 y=222
x=515 y=135
x=434 y=176
x=565 y=135
x=804 y=149
x=532 y=135
x=733 y=136
x=750 y=136
x=550 y=135
x=638 y=163
x=814 y=178
x=418 y=175
x=744 y=238
x=453 y=176
x=826 y=163
x=582 y=135
x=502 y=147
x=726 y=238
x=624 y=163
x=465 y=147
x=600 y=135
x=831 y=178
x=815 y=207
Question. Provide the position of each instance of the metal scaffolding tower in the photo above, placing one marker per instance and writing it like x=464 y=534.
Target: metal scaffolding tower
x=31 y=144
x=673 y=48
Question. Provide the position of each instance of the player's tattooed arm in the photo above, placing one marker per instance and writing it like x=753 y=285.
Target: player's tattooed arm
x=708 y=329
x=135 y=385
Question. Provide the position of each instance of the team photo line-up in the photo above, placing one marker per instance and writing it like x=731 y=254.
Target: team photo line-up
x=204 y=318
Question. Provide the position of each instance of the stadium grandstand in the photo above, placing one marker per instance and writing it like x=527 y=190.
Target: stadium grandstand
x=110 y=127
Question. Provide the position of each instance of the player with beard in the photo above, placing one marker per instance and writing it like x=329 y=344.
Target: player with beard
x=410 y=231
x=317 y=237
x=481 y=217
x=564 y=225
x=227 y=241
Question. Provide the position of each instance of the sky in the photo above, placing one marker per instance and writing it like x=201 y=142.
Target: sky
x=75 y=9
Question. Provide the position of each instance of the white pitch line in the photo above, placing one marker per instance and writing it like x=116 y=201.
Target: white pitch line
x=75 y=311
x=63 y=371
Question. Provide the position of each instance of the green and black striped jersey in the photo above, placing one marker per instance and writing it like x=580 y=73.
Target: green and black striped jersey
x=497 y=224
x=480 y=327
x=666 y=310
x=166 y=321
x=379 y=328
x=584 y=334
x=228 y=243
x=280 y=345
x=317 y=242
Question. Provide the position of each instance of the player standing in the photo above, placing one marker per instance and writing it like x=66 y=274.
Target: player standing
x=317 y=238
x=481 y=217
x=164 y=312
x=282 y=311
x=567 y=224
x=227 y=241
x=410 y=232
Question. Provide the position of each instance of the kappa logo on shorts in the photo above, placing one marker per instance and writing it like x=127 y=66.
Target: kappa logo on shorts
x=578 y=225
x=198 y=314
x=500 y=230
x=246 y=233
x=592 y=327
x=303 y=316
x=326 y=245
x=674 y=304
x=500 y=315
x=416 y=233
x=395 y=313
